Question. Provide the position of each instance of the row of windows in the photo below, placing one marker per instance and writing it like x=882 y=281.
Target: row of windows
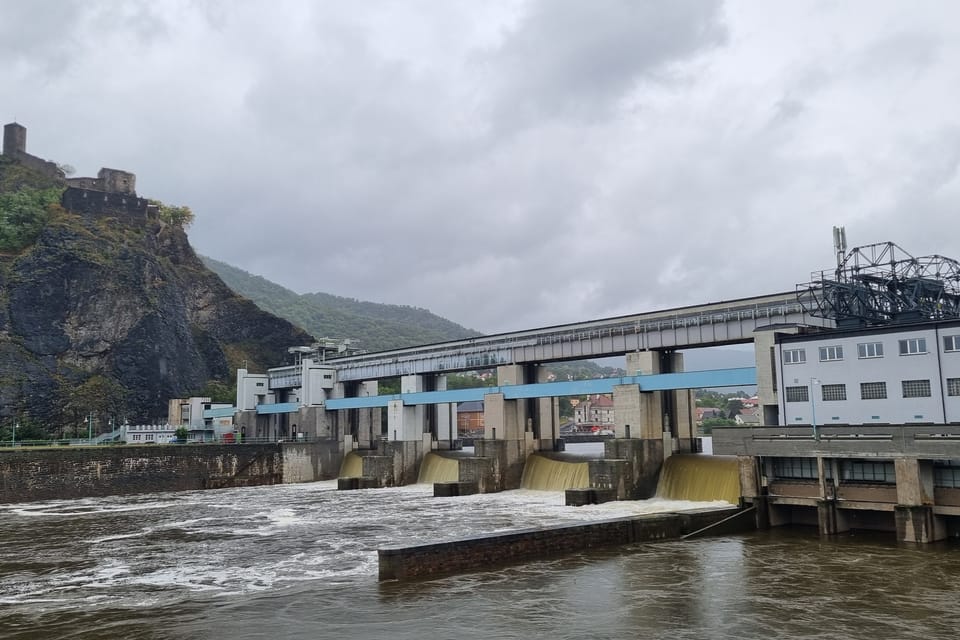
x=908 y=347
x=868 y=471
x=851 y=470
x=871 y=390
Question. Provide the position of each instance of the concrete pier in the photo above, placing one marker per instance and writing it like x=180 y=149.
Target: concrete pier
x=480 y=553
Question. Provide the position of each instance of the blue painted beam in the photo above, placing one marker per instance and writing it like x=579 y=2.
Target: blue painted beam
x=366 y=402
x=279 y=407
x=741 y=377
x=222 y=412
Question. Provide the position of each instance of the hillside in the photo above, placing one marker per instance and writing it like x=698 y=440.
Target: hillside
x=374 y=326
x=105 y=310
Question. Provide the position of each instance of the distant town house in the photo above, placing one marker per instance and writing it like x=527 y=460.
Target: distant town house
x=595 y=410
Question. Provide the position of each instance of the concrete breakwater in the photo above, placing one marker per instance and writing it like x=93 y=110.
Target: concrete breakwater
x=482 y=552
x=27 y=475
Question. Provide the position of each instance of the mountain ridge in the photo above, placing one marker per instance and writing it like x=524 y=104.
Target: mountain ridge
x=375 y=326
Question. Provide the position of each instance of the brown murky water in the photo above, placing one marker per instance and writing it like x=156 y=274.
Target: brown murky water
x=299 y=561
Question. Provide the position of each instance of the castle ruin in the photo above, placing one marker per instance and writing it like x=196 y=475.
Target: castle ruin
x=112 y=192
x=15 y=148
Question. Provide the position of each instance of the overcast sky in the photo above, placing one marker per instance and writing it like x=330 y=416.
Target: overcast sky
x=509 y=164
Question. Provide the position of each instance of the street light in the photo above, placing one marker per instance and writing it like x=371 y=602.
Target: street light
x=813 y=407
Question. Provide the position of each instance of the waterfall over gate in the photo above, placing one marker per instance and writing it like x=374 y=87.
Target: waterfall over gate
x=700 y=478
x=352 y=465
x=438 y=468
x=547 y=474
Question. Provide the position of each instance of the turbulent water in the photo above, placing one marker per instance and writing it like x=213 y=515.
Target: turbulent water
x=299 y=561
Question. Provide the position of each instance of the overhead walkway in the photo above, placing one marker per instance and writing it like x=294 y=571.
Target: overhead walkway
x=717 y=323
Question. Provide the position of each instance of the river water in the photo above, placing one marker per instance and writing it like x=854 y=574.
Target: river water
x=299 y=561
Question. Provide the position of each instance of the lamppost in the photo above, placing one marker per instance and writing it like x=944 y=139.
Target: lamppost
x=813 y=407
x=13 y=441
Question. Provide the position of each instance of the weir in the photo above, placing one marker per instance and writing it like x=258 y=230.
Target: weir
x=700 y=478
x=352 y=466
x=544 y=473
x=438 y=468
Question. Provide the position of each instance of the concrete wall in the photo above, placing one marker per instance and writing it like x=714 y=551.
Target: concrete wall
x=101 y=204
x=480 y=553
x=311 y=461
x=67 y=472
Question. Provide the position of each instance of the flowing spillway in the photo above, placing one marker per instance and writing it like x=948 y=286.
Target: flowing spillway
x=700 y=478
x=352 y=465
x=438 y=468
x=548 y=474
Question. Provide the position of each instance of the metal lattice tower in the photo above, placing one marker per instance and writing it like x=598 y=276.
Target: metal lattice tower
x=881 y=284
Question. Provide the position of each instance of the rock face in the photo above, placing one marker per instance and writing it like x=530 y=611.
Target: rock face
x=126 y=301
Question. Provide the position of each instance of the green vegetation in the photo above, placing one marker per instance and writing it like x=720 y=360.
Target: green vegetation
x=709 y=423
x=217 y=391
x=179 y=216
x=376 y=327
x=181 y=434
x=729 y=404
x=23 y=213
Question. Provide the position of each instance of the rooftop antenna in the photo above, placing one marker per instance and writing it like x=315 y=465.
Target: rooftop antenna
x=840 y=244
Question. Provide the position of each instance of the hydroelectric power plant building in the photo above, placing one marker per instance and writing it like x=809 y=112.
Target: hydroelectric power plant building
x=858 y=376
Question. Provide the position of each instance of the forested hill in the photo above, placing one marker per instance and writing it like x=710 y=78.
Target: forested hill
x=375 y=326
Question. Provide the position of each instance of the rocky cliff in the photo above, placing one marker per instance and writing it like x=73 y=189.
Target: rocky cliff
x=113 y=314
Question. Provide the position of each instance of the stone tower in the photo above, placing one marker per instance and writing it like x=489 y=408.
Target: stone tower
x=116 y=181
x=14 y=139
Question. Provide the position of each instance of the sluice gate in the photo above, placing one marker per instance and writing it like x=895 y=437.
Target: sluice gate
x=700 y=478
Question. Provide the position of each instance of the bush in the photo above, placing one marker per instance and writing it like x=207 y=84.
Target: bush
x=23 y=214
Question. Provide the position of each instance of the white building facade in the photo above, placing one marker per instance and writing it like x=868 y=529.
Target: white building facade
x=900 y=374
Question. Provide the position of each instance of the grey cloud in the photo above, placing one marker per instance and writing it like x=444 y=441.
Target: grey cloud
x=40 y=35
x=490 y=163
x=577 y=59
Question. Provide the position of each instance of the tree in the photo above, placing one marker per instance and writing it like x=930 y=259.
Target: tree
x=708 y=425
x=23 y=214
x=180 y=216
x=734 y=406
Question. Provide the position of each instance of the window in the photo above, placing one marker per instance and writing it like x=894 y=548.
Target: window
x=916 y=388
x=951 y=343
x=873 y=390
x=794 y=356
x=149 y=436
x=834 y=392
x=946 y=476
x=953 y=386
x=870 y=350
x=136 y=436
x=868 y=471
x=795 y=468
x=913 y=346
x=831 y=353
x=797 y=394
x=259 y=384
